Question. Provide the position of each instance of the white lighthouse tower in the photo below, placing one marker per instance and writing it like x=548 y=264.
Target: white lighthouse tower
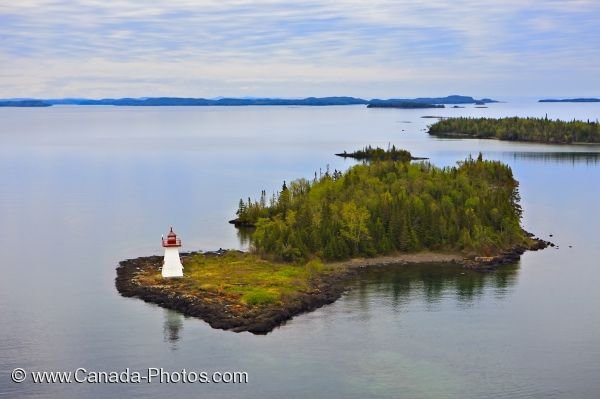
x=172 y=266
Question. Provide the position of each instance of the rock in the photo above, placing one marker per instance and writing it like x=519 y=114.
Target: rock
x=241 y=223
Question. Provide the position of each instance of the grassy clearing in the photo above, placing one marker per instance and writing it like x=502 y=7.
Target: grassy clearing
x=244 y=278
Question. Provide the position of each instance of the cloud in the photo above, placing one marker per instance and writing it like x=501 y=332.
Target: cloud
x=377 y=48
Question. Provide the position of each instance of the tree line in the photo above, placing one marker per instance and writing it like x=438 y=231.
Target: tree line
x=541 y=130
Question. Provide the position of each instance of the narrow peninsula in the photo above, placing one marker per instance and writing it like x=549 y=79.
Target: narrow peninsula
x=538 y=130
x=313 y=235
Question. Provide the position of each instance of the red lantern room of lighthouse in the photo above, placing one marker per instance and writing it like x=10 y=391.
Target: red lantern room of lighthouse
x=172 y=266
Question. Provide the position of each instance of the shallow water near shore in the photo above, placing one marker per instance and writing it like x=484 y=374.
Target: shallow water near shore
x=82 y=188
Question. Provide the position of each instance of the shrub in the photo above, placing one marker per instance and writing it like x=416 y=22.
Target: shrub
x=259 y=297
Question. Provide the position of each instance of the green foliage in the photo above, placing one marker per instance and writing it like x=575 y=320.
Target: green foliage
x=541 y=130
x=387 y=206
x=379 y=154
x=314 y=267
x=244 y=278
x=259 y=297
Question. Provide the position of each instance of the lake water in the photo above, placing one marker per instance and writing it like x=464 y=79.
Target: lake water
x=82 y=188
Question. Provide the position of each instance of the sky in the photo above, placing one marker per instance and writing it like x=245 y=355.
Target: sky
x=288 y=48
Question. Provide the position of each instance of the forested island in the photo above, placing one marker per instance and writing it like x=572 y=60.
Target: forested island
x=385 y=206
x=379 y=154
x=313 y=235
x=540 y=130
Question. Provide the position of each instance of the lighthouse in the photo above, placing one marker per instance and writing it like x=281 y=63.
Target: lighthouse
x=172 y=266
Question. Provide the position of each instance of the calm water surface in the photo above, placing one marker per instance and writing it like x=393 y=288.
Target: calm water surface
x=84 y=187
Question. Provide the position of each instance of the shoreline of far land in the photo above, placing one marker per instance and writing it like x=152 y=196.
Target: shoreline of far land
x=137 y=278
x=469 y=137
x=519 y=129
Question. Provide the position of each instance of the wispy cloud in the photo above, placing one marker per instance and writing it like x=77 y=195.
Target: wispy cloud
x=275 y=47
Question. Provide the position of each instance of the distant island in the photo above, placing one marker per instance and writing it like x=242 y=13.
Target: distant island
x=309 y=101
x=539 y=130
x=570 y=100
x=427 y=102
x=402 y=104
x=314 y=235
x=182 y=101
x=369 y=153
x=24 y=103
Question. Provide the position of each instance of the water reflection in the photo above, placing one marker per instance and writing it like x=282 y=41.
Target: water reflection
x=432 y=283
x=587 y=157
x=172 y=327
x=244 y=235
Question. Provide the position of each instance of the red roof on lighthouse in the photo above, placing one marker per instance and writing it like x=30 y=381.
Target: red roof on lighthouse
x=172 y=240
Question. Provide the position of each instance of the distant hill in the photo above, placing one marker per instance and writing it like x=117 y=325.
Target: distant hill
x=570 y=100
x=23 y=103
x=423 y=102
x=453 y=99
x=184 y=101
x=401 y=104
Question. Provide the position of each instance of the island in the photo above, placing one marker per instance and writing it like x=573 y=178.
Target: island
x=226 y=101
x=402 y=104
x=570 y=100
x=24 y=103
x=539 y=130
x=427 y=102
x=312 y=236
x=369 y=154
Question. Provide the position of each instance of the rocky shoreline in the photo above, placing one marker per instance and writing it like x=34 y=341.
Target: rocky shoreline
x=221 y=312
x=506 y=257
